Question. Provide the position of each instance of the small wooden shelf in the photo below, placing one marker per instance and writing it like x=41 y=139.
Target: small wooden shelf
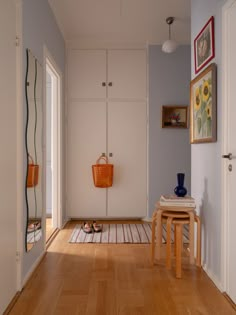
x=174 y=116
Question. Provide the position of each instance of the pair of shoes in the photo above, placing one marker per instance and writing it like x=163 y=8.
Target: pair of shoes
x=96 y=227
x=34 y=226
x=87 y=228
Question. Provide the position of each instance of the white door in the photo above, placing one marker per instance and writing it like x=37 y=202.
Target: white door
x=127 y=74
x=229 y=92
x=87 y=74
x=128 y=146
x=86 y=141
x=107 y=118
x=8 y=134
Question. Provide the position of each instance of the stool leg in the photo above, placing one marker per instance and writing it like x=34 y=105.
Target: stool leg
x=168 y=243
x=178 y=241
x=198 y=258
x=153 y=237
x=175 y=239
x=159 y=233
x=191 y=237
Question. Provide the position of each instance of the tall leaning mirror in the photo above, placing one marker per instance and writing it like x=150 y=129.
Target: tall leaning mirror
x=34 y=152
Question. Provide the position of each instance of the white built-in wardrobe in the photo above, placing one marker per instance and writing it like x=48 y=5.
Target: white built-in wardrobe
x=107 y=113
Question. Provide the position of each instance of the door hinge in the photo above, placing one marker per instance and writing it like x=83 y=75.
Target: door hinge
x=17 y=41
x=18 y=256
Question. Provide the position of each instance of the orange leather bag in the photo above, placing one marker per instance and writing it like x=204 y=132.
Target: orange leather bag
x=102 y=173
x=33 y=173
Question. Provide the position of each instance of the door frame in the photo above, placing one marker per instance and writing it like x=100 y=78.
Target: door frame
x=57 y=144
x=20 y=213
x=225 y=145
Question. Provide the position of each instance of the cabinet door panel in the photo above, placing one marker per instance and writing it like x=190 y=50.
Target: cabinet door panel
x=86 y=73
x=127 y=73
x=86 y=141
x=127 y=142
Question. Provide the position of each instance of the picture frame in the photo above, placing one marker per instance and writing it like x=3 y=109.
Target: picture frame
x=175 y=116
x=204 y=46
x=203 y=106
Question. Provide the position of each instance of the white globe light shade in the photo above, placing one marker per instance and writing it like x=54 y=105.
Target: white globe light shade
x=169 y=46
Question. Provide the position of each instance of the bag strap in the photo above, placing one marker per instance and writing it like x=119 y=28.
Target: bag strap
x=102 y=157
x=31 y=161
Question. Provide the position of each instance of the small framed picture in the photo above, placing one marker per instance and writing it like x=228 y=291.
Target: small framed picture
x=204 y=46
x=203 y=106
x=175 y=116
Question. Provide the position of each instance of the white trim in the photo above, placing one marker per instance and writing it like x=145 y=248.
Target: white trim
x=20 y=149
x=212 y=276
x=224 y=84
x=147 y=128
x=55 y=70
x=64 y=223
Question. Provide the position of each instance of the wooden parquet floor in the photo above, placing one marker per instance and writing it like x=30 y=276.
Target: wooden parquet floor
x=112 y=279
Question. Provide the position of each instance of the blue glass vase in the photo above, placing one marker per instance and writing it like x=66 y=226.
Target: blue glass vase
x=180 y=190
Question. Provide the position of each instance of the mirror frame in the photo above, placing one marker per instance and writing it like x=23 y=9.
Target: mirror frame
x=33 y=170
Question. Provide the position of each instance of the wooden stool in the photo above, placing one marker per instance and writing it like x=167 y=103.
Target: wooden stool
x=178 y=222
x=168 y=217
x=157 y=223
x=178 y=218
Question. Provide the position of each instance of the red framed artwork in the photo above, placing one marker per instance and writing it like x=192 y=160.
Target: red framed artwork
x=204 y=45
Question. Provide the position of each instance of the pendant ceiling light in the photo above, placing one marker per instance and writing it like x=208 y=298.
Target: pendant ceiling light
x=169 y=45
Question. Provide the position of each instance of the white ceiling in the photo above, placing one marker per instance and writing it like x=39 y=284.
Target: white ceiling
x=133 y=21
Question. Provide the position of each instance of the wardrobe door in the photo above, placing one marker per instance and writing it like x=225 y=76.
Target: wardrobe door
x=86 y=141
x=87 y=74
x=128 y=145
x=127 y=74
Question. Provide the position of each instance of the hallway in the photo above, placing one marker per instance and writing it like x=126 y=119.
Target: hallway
x=114 y=279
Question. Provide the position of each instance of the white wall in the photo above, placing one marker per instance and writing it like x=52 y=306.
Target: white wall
x=39 y=29
x=8 y=155
x=206 y=158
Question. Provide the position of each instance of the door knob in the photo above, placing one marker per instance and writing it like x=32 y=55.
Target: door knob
x=227 y=156
x=110 y=84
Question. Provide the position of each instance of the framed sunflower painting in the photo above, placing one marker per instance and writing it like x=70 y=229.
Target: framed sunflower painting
x=203 y=106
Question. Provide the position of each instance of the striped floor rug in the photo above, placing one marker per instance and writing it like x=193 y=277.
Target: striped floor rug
x=34 y=236
x=120 y=233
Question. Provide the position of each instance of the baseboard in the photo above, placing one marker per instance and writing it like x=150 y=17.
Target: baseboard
x=147 y=219
x=52 y=237
x=33 y=268
x=12 y=303
x=107 y=219
x=211 y=275
x=229 y=300
x=64 y=223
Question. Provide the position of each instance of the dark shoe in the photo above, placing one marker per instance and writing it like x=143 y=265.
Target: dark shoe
x=96 y=227
x=87 y=228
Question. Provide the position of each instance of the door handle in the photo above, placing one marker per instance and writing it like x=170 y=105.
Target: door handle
x=227 y=156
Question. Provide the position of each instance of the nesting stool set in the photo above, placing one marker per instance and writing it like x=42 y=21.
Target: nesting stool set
x=178 y=216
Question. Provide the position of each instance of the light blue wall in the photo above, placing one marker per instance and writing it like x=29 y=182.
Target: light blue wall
x=39 y=29
x=169 y=149
x=206 y=158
